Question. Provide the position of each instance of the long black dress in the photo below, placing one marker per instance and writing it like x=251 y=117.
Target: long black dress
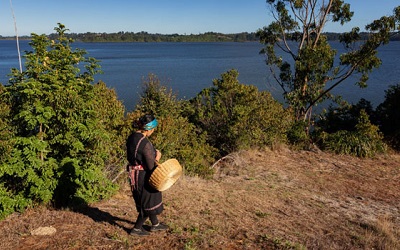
x=141 y=152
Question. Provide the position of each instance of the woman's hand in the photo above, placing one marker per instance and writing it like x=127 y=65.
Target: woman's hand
x=158 y=155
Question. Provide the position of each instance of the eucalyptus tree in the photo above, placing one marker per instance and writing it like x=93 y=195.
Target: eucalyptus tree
x=309 y=72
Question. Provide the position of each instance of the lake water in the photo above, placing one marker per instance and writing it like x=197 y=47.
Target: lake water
x=188 y=68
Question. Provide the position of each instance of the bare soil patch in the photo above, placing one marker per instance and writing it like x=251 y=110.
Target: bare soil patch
x=279 y=199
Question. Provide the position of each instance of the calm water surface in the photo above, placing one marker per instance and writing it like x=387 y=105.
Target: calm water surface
x=190 y=67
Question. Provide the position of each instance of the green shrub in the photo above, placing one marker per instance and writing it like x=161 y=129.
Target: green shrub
x=175 y=136
x=10 y=203
x=364 y=141
x=64 y=128
x=298 y=136
x=388 y=114
x=344 y=117
x=6 y=132
x=237 y=116
x=111 y=118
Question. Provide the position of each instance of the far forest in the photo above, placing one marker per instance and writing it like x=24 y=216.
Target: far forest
x=203 y=37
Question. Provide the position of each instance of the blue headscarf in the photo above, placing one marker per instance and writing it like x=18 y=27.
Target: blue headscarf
x=151 y=125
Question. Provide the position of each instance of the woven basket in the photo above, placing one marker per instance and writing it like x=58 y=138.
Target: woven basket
x=165 y=175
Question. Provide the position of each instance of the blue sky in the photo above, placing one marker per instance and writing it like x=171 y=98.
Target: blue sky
x=159 y=16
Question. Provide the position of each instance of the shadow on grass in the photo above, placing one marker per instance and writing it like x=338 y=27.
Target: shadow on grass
x=101 y=216
x=65 y=197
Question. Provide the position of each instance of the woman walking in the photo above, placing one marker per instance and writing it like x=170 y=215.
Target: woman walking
x=142 y=158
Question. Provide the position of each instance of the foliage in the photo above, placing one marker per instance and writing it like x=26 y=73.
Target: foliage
x=237 y=116
x=297 y=136
x=308 y=73
x=62 y=128
x=364 y=141
x=344 y=117
x=143 y=36
x=388 y=114
x=175 y=136
x=110 y=112
x=8 y=202
x=5 y=129
x=147 y=37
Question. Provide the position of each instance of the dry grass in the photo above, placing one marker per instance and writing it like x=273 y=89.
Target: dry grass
x=279 y=199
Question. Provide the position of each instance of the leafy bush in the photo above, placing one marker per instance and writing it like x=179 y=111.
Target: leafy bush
x=175 y=136
x=364 y=141
x=298 y=136
x=64 y=128
x=5 y=128
x=388 y=114
x=237 y=116
x=111 y=117
x=9 y=202
x=344 y=117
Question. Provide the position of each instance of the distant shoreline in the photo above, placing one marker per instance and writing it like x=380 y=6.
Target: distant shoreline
x=148 y=37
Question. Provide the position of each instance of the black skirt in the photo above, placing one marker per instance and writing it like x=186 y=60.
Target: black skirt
x=147 y=199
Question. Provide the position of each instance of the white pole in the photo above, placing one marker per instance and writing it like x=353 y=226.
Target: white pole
x=16 y=34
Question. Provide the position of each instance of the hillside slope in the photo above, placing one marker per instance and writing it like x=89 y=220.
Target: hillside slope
x=279 y=199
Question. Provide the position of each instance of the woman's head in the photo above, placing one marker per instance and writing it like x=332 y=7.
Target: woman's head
x=147 y=122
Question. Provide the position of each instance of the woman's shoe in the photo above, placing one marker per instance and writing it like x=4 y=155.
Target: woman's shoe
x=159 y=227
x=139 y=232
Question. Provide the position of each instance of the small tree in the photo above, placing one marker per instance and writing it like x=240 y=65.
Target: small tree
x=388 y=114
x=309 y=74
x=344 y=117
x=238 y=116
x=61 y=128
x=364 y=140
